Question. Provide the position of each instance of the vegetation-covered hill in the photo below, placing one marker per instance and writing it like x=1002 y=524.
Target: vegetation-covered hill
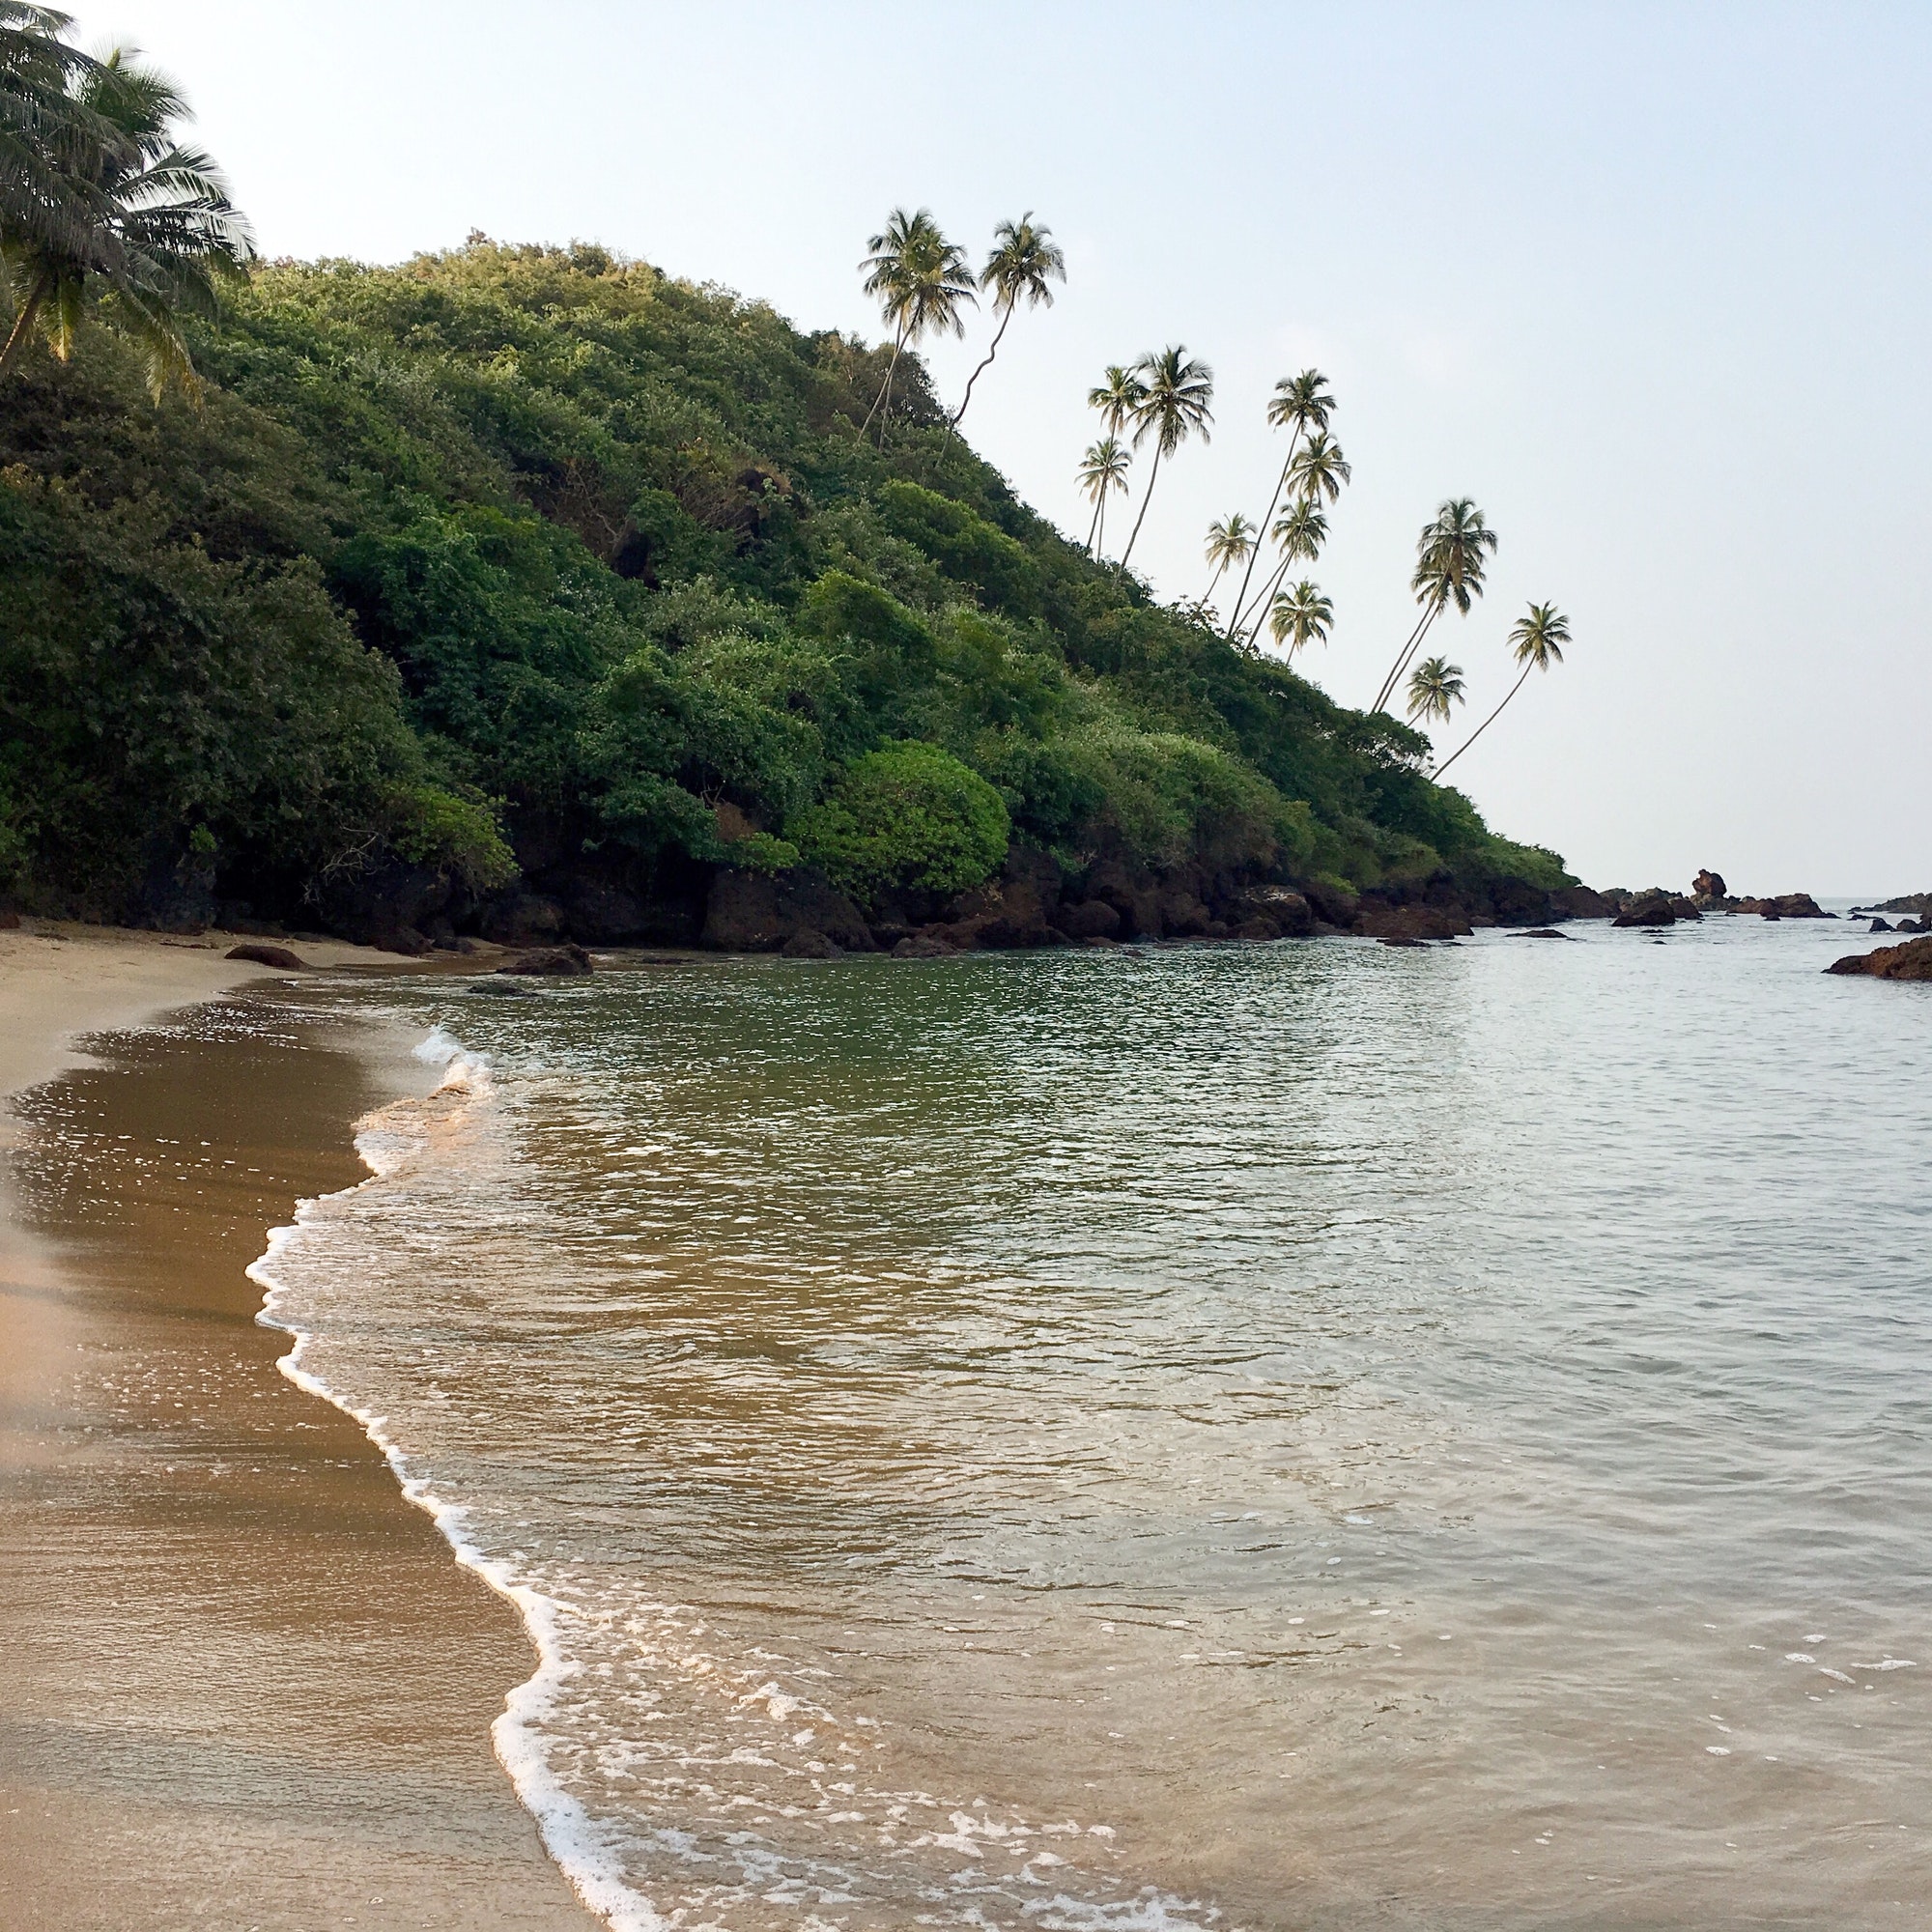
x=525 y=588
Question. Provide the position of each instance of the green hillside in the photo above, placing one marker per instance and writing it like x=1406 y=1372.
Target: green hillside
x=525 y=588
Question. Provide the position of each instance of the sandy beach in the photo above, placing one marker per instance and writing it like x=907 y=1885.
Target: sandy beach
x=245 y=1685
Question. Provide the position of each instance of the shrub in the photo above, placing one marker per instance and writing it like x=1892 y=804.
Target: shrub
x=908 y=814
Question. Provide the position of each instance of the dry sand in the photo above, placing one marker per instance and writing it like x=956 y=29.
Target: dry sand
x=243 y=1684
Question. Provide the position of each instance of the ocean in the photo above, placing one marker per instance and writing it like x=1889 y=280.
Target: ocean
x=1295 y=1435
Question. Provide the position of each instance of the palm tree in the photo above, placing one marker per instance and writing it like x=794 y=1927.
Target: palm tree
x=1318 y=470
x=1433 y=687
x=146 y=223
x=1300 y=616
x=1228 y=541
x=1300 y=403
x=1104 y=470
x=1118 y=398
x=45 y=134
x=921 y=281
x=1177 y=392
x=1538 y=641
x=1450 y=562
x=1024 y=260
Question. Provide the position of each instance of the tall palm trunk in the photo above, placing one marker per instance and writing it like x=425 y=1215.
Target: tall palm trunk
x=1482 y=727
x=1006 y=317
x=1404 y=657
x=885 y=388
x=1144 y=501
x=1280 y=484
x=1266 y=597
x=23 y=323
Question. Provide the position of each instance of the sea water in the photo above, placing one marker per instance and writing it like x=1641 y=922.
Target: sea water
x=1312 y=1434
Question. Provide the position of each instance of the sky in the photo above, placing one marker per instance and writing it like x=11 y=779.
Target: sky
x=1649 y=283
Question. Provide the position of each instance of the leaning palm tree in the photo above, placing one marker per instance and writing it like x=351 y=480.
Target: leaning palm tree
x=1451 y=554
x=1299 y=404
x=1538 y=641
x=923 y=282
x=1103 y=471
x=1318 y=470
x=44 y=135
x=1024 y=260
x=1300 y=616
x=1177 y=392
x=158 y=235
x=1228 y=541
x=1435 y=687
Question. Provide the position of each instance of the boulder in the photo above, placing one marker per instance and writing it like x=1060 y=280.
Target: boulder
x=927 y=945
x=1399 y=939
x=754 y=912
x=1911 y=961
x=1708 y=885
x=1580 y=903
x=809 y=942
x=1283 y=908
x=1549 y=932
x=551 y=962
x=1884 y=925
x=278 y=957
x=405 y=940
x=1332 y=903
x=1411 y=921
x=1789 y=906
x=1090 y=918
x=1647 y=912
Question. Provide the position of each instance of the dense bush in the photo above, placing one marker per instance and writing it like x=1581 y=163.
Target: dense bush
x=907 y=815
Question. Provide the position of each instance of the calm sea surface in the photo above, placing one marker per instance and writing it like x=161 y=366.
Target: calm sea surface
x=1306 y=1436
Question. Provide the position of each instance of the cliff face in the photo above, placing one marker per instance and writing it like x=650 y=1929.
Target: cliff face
x=525 y=592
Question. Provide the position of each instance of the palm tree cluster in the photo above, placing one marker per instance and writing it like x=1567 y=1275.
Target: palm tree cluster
x=100 y=203
x=924 y=284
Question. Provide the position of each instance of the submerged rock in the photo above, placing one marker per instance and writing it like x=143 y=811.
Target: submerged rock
x=809 y=942
x=568 y=961
x=1911 y=961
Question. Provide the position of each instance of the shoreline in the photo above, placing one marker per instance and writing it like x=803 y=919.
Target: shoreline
x=250 y=1683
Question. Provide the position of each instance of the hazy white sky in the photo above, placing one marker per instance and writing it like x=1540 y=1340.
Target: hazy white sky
x=1650 y=283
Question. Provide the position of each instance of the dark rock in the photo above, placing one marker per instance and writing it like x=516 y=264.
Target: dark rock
x=551 y=962
x=1092 y=918
x=521 y=918
x=1411 y=921
x=1790 y=905
x=752 y=912
x=809 y=942
x=1708 y=885
x=1661 y=910
x=1580 y=903
x=1911 y=961
x=10 y=920
x=278 y=957
x=1259 y=929
x=1398 y=939
x=1285 y=909
x=1884 y=926
x=1332 y=903
x=927 y=945
x=1550 y=932
x=406 y=941
x=467 y=946
x=598 y=913
x=1918 y=902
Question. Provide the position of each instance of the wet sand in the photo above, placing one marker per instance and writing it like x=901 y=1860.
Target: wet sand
x=241 y=1681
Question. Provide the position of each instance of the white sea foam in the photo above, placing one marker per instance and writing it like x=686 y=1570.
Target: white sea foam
x=386 y=1141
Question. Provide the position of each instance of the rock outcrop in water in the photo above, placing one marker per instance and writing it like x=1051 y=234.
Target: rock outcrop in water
x=1912 y=960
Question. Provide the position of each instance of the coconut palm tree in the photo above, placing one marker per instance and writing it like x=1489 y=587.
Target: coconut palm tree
x=923 y=282
x=1435 y=687
x=1228 y=541
x=1451 y=554
x=1103 y=471
x=1299 y=404
x=1300 y=616
x=158 y=234
x=1538 y=642
x=45 y=137
x=1176 y=395
x=1025 y=259
x=1118 y=398
x=1318 y=470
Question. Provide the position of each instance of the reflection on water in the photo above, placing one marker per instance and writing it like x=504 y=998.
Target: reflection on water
x=1311 y=1435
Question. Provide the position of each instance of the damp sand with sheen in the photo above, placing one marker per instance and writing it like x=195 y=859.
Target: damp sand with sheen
x=1262 y=1437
